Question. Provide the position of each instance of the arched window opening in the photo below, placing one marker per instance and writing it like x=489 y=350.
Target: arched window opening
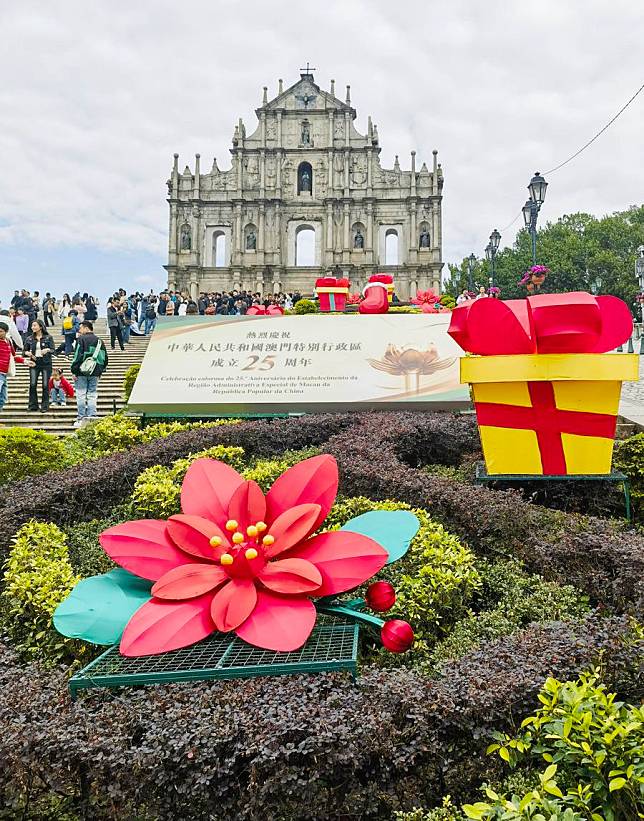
x=304 y=178
x=219 y=249
x=391 y=247
x=305 y=246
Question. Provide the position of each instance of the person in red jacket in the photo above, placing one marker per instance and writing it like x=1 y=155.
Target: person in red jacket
x=59 y=388
x=6 y=352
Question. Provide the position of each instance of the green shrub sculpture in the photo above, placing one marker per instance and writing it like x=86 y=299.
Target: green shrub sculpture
x=28 y=453
x=305 y=306
x=129 y=378
x=38 y=576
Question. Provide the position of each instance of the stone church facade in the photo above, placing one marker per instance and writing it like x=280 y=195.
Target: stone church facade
x=305 y=197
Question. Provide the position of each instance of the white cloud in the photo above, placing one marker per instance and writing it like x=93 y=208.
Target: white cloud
x=97 y=96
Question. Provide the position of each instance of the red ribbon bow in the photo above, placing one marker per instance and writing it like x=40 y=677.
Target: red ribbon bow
x=548 y=323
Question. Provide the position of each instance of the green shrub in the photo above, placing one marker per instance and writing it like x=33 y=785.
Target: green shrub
x=446 y=812
x=28 y=453
x=403 y=309
x=515 y=599
x=305 y=306
x=629 y=458
x=118 y=433
x=38 y=576
x=592 y=747
x=129 y=378
x=157 y=490
x=435 y=580
x=86 y=555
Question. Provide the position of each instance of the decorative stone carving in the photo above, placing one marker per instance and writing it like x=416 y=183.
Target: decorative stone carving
x=185 y=242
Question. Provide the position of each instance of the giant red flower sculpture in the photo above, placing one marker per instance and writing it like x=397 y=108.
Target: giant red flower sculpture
x=236 y=560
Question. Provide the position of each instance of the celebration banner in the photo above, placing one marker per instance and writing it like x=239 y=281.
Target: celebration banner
x=213 y=366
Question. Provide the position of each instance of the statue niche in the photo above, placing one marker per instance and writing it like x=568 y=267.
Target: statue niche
x=251 y=238
x=305 y=138
x=424 y=239
x=185 y=241
x=358 y=238
x=304 y=178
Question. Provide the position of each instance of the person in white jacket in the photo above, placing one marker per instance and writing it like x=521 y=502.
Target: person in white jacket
x=13 y=333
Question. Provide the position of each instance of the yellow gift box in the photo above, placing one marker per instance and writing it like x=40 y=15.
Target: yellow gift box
x=548 y=414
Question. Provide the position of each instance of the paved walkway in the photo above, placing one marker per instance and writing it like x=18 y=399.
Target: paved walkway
x=632 y=402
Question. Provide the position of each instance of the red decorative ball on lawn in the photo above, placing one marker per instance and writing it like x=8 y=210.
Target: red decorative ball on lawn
x=381 y=596
x=397 y=636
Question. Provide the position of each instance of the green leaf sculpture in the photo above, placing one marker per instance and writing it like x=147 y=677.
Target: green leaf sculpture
x=99 y=607
x=393 y=529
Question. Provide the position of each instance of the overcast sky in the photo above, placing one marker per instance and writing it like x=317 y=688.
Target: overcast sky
x=96 y=96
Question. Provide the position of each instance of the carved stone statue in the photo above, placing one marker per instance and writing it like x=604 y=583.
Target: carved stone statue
x=306 y=134
x=251 y=241
x=305 y=180
x=424 y=239
x=358 y=240
x=186 y=237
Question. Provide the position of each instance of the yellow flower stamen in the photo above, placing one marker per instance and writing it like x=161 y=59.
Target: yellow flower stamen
x=226 y=559
x=238 y=538
x=215 y=541
x=252 y=531
x=261 y=526
x=268 y=540
x=251 y=553
x=231 y=525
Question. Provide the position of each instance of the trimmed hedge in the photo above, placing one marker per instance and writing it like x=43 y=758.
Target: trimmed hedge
x=28 y=452
x=288 y=747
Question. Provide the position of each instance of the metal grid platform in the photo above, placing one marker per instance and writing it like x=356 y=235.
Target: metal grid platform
x=333 y=645
x=483 y=477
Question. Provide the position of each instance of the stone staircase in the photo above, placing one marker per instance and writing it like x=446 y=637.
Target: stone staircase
x=59 y=420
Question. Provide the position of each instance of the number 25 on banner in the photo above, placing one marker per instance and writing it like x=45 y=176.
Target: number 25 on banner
x=256 y=363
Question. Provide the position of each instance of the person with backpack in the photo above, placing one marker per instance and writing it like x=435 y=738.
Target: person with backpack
x=150 y=317
x=89 y=364
x=71 y=326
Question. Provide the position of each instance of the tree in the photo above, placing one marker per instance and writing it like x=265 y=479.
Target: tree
x=583 y=252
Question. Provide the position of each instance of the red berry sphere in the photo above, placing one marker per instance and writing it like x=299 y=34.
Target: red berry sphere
x=381 y=596
x=397 y=636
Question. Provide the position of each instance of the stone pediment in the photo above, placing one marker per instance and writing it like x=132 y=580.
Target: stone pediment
x=305 y=96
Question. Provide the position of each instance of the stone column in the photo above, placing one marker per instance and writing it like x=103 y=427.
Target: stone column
x=369 y=241
x=262 y=220
x=329 y=234
x=413 y=239
x=369 y=172
x=262 y=173
x=238 y=227
x=238 y=162
x=263 y=129
x=194 y=286
x=197 y=177
x=278 y=234
x=347 y=228
x=347 y=158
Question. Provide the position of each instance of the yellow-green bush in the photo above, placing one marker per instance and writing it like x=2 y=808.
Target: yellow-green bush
x=305 y=306
x=266 y=471
x=129 y=379
x=629 y=458
x=435 y=580
x=157 y=490
x=28 y=453
x=38 y=576
x=120 y=433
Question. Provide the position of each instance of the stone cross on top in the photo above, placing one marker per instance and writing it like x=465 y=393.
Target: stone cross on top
x=308 y=69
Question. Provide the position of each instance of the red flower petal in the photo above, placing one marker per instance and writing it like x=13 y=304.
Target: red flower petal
x=344 y=559
x=291 y=527
x=207 y=489
x=189 y=581
x=313 y=481
x=160 y=626
x=193 y=534
x=291 y=576
x=143 y=547
x=233 y=604
x=278 y=622
x=247 y=505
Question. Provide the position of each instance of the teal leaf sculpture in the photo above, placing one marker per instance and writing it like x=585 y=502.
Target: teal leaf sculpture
x=393 y=529
x=99 y=607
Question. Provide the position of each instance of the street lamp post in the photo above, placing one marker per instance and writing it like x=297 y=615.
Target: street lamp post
x=537 y=190
x=490 y=252
x=639 y=273
x=471 y=261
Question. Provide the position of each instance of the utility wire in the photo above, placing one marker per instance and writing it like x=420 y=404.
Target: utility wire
x=598 y=134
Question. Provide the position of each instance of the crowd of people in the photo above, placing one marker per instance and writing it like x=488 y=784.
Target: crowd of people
x=26 y=338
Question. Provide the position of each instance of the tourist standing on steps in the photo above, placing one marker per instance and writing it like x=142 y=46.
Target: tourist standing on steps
x=114 y=323
x=7 y=351
x=88 y=346
x=150 y=316
x=71 y=325
x=39 y=350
